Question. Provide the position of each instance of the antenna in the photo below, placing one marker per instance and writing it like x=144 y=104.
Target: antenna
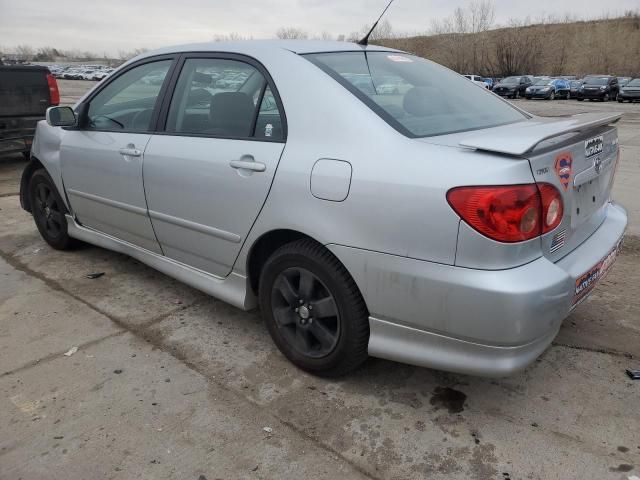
x=365 y=40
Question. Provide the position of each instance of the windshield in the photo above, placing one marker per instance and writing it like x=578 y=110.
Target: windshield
x=417 y=97
x=544 y=81
x=634 y=83
x=511 y=80
x=596 y=81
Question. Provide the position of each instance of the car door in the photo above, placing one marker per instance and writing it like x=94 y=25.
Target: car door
x=102 y=158
x=208 y=174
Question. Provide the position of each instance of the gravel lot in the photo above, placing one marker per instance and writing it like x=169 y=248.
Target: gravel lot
x=169 y=383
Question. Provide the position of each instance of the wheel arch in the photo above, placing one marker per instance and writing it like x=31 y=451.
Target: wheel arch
x=262 y=249
x=33 y=165
x=268 y=243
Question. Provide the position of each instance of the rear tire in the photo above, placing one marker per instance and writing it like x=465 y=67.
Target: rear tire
x=49 y=211
x=313 y=309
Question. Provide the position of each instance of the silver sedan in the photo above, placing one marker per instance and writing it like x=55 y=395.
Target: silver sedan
x=370 y=202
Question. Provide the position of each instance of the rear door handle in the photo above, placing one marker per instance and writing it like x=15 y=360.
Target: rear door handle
x=248 y=165
x=130 y=151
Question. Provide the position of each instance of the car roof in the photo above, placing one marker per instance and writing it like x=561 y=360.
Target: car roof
x=250 y=47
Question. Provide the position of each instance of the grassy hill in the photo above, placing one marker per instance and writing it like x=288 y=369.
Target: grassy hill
x=610 y=46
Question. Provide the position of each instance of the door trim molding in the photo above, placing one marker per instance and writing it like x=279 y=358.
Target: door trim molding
x=197 y=227
x=107 y=201
x=233 y=289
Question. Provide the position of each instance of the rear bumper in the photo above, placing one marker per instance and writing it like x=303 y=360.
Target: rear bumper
x=479 y=322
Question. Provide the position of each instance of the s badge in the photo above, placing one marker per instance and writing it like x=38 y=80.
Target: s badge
x=564 y=168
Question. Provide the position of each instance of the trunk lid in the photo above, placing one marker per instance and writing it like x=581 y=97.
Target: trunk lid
x=24 y=91
x=578 y=155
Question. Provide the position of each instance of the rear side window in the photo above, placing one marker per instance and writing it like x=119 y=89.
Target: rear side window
x=223 y=98
x=127 y=103
x=417 y=97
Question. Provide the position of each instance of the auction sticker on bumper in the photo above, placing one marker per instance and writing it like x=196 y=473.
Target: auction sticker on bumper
x=588 y=280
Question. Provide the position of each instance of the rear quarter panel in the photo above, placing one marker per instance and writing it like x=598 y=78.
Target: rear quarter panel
x=397 y=200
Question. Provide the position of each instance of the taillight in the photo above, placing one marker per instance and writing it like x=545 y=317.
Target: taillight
x=54 y=94
x=509 y=213
x=552 y=208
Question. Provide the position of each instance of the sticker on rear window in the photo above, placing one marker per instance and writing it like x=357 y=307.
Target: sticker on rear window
x=399 y=58
x=593 y=146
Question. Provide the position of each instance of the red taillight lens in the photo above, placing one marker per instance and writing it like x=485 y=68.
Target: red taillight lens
x=54 y=94
x=552 y=208
x=511 y=213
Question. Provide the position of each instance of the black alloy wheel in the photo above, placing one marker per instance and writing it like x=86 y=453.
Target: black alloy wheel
x=313 y=309
x=305 y=312
x=49 y=211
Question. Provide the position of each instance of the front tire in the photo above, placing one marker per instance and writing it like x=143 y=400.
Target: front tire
x=552 y=96
x=313 y=309
x=49 y=211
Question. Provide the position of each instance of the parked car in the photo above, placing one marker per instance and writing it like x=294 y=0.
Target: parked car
x=574 y=87
x=489 y=82
x=25 y=94
x=478 y=80
x=599 y=87
x=549 y=89
x=513 y=87
x=622 y=81
x=630 y=92
x=425 y=229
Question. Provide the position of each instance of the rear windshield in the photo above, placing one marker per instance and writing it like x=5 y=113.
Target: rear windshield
x=417 y=97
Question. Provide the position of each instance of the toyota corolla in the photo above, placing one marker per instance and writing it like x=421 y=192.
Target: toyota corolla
x=448 y=230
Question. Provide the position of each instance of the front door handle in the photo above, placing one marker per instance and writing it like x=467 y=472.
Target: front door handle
x=248 y=165
x=130 y=151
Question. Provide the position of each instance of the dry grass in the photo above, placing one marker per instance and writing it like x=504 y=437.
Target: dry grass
x=610 y=46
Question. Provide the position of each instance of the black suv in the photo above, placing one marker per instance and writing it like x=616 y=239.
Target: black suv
x=599 y=87
x=513 y=87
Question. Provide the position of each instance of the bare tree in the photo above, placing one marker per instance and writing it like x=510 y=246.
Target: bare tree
x=230 y=37
x=517 y=49
x=25 y=52
x=291 y=33
x=126 y=55
x=383 y=31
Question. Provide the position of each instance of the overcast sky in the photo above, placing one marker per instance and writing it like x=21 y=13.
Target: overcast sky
x=112 y=25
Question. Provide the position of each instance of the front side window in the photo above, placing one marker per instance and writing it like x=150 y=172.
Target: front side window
x=417 y=97
x=127 y=103
x=223 y=98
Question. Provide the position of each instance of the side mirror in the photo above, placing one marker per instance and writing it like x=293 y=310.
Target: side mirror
x=61 y=117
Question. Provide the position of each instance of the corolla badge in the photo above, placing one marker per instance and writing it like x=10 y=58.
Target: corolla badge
x=564 y=168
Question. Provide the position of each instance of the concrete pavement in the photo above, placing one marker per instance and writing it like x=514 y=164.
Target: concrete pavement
x=168 y=383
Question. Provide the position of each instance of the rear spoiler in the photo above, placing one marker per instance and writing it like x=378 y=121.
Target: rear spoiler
x=521 y=138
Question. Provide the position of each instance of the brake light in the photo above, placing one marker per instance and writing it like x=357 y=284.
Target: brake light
x=510 y=213
x=54 y=93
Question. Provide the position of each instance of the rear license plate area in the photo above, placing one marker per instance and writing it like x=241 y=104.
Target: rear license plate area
x=586 y=282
